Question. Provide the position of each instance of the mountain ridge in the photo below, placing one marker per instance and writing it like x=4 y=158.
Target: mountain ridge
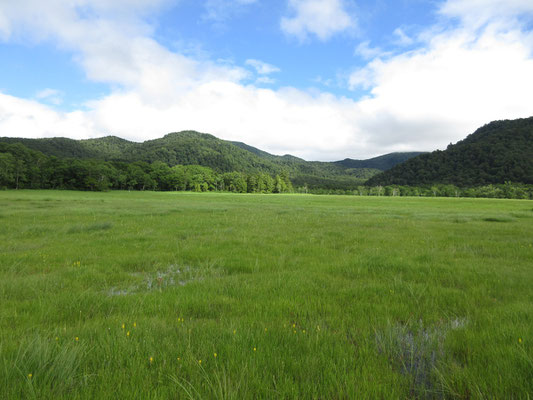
x=498 y=152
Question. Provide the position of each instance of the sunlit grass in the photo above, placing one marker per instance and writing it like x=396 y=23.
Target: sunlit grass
x=183 y=295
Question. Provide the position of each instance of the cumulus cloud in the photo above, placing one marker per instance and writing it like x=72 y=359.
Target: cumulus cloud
x=322 y=18
x=457 y=82
x=28 y=118
x=454 y=81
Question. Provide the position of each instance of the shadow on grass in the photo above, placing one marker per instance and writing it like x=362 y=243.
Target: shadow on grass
x=498 y=219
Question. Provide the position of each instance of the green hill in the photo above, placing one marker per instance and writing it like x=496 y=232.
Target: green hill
x=498 y=152
x=382 y=163
x=194 y=148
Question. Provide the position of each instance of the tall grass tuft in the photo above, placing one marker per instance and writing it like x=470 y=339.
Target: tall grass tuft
x=415 y=351
x=42 y=368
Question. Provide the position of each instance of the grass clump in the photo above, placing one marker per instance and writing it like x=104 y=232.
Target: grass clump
x=43 y=368
x=418 y=352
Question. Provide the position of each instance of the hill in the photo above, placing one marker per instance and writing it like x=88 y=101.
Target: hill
x=194 y=148
x=382 y=163
x=498 y=152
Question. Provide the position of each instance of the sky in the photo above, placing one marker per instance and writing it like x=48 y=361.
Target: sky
x=319 y=79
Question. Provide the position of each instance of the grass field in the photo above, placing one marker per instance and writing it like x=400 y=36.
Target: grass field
x=179 y=295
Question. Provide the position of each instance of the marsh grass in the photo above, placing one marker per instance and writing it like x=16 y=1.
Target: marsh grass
x=417 y=351
x=173 y=275
x=300 y=297
x=48 y=369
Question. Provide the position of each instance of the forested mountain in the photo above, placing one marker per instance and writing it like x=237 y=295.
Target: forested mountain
x=499 y=152
x=193 y=148
x=382 y=163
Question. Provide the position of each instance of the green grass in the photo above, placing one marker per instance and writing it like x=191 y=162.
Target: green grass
x=120 y=295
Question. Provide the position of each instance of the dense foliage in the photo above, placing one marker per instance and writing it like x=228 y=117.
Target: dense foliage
x=381 y=163
x=499 y=152
x=21 y=167
x=193 y=148
x=496 y=191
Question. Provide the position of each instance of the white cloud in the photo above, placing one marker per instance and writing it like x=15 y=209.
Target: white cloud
x=323 y=18
x=478 y=12
x=28 y=118
x=401 y=38
x=364 y=50
x=456 y=81
x=262 y=68
x=52 y=96
x=265 y=80
x=459 y=81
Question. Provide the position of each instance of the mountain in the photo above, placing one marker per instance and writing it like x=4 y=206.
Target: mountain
x=498 y=152
x=194 y=148
x=382 y=163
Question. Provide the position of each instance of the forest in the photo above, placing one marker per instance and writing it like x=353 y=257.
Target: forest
x=499 y=152
x=22 y=168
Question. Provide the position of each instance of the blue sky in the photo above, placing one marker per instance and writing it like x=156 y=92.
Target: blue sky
x=320 y=79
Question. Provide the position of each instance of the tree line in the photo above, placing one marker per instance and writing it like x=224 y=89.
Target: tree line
x=22 y=168
x=507 y=190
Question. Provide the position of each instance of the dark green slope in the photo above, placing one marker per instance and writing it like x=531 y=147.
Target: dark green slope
x=382 y=163
x=254 y=150
x=58 y=147
x=498 y=152
x=189 y=147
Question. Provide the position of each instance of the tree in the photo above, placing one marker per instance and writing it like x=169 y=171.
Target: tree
x=7 y=168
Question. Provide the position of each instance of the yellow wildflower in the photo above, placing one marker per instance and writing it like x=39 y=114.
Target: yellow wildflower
x=519 y=340
x=215 y=355
x=30 y=376
x=77 y=338
x=128 y=333
x=151 y=360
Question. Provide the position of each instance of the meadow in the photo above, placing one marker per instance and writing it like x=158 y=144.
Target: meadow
x=161 y=295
